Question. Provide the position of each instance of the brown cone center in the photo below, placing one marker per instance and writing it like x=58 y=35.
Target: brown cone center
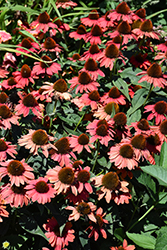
x=49 y=43
x=3 y=145
x=122 y=8
x=146 y=26
x=42 y=187
x=60 y=86
x=143 y=125
x=124 y=28
x=112 y=51
x=25 y=71
x=91 y=65
x=5 y=111
x=96 y=30
x=3 y=97
x=43 y=64
x=84 y=78
x=11 y=81
x=161 y=107
x=30 y=101
x=40 y=137
x=114 y=92
x=163 y=127
x=120 y=119
x=44 y=18
x=109 y=108
x=26 y=43
x=83 y=139
x=139 y=142
x=83 y=176
x=101 y=130
x=94 y=95
x=62 y=146
x=15 y=168
x=110 y=181
x=66 y=175
x=83 y=208
x=154 y=70
x=81 y=30
x=93 y=15
x=126 y=151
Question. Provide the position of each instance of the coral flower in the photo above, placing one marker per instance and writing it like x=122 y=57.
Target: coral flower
x=94 y=52
x=63 y=152
x=140 y=13
x=39 y=190
x=139 y=146
x=24 y=76
x=113 y=95
x=80 y=33
x=83 y=83
x=78 y=143
x=158 y=110
x=3 y=72
x=60 y=26
x=117 y=40
x=141 y=127
x=65 y=4
x=82 y=209
x=92 y=19
x=3 y=212
x=98 y=226
x=94 y=35
x=154 y=76
x=27 y=103
x=123 y=155
x=36 y=139
x=109 y=56
x=58 y=239
x=124 y=30
x=91 y=68
x=4 y=36
x=105 y=21
x=62 y=178
x=104 y=112
x=6 y=148
x=124 y=246
x=15 y=196
x=10 y=83
x=120 y=127
x=154 y=143
x=112 y=188
x=92 y=99
x=7 y=117
x=161 y=131
x=46 y=68
x=19 y=172
x=50 y=45
x=122 y=12
x=29 y=44
x=102 y=130
x=57 y=89
x=162 y=56
x=42 y=23
x=83 y=176
x=146 y=30
x=162 y=46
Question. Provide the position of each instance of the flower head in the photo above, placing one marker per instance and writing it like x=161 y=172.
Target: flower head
x=24 y=76
x=6 y=149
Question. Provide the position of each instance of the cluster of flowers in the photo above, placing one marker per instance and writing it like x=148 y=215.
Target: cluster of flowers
x=29 y=89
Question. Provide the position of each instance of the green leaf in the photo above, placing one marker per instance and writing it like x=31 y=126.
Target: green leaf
x=119 y=234
x=26 y=33
x=131 y=75
x=138 y=100
x=142 y=240
x=161 y=242
x=50 y=109
x=148 y=182
x=123 y=87
x=158 y=172
x=136 y=116
x=26 y=9
x=163 y=155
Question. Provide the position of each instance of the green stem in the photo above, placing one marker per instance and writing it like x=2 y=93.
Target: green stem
x=151 y=89
x=97 y=154
x=80 y=46
x=81 y=119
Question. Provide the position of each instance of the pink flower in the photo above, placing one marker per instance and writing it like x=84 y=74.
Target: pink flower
x=102 y=130
x=123 y=155
x=85 y=209
x=124 y=246
x=154 y=76
x=105 y=111
x=9 y=61
x=94 y=52
x=3 y=72
x=94 y=35
x=28 y=44
x=6 y=148
x=124 y=30
x=98 y=226
x=7 y=117
x=58 y=239
x=122 y=12
x=42 y=23
x=39 y=190
x=36 y=139
x=162 y=56
x=65 y=4
x=15 y=196
x=105 y=21
x=158 y=110
x=78 y=143
x=19 y=172
x=24 y=76
x=4 y=36
x=62 y=178
x=162 y=46
x=140 y=61
x=57 y=89
x=63 y=152
x=92 y=19
x=3 y=211
x=112 y=188
x=91 y=68
x=11 y=83
x=146 y=30
x=113 y=95
x=80 y=33
x=83 y=176
x=45 y=68
x=83 y=83
x=27 y=103
x=50 y=45
x=141 y=127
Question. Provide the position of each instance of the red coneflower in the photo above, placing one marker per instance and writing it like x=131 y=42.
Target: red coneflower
x=105 y=21
x=7 y=117
x=24 y=76
x=94 y=35
x=42 y=23
x=154 y=76
x=50 y=45
x=113 y=95
x=91 y=68
x=11 y=83
x=124 y=246
x=162 y=56
x=92 y=19
x=65 y=4
x=121 y=13
x=94 y=52
x=78 y=143
x=140 y=61
x=80 y=33
x=162 y=46
x=146 y=30
x=6 y=148
x=105 y=111
x=29 y=44
x=158 y=110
